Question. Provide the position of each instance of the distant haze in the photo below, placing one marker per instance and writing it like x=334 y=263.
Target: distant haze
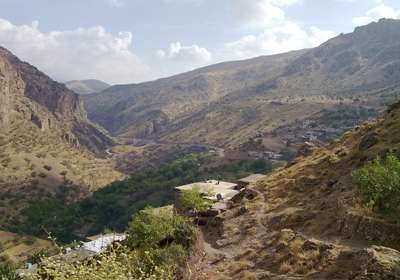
x=87 y=86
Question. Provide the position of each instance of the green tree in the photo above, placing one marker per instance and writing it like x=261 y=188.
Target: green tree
x=148 y=230
x=379 y=184
x=193 y=200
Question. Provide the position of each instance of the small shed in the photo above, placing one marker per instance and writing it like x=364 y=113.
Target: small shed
x=250 y=180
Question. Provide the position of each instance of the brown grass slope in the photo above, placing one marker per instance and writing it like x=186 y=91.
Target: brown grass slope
x=307 y=221
x=225 y=104
x=46 y=141
x=16 y=248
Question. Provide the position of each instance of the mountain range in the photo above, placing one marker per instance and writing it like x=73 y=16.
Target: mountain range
x=305 y=220
x=229 y=103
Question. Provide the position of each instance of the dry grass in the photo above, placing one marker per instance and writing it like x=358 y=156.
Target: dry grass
x=33 y=158
x=285 y=267
x=17 y=248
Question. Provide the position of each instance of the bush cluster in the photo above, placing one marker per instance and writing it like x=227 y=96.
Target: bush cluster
x=7 y=272
x=192 y=200
x=379 y=184
x=152 y=231
x=155 y=247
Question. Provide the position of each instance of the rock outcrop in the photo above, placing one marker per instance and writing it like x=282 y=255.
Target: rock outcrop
x=28 y=95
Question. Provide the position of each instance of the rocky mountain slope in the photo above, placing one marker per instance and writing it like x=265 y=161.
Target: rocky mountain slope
x=228 y=103
x=86 y=86
x=306 y=220
x=47 y=144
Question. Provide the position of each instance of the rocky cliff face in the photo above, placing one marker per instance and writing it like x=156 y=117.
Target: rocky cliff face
x=47 y=145
x=28 y=95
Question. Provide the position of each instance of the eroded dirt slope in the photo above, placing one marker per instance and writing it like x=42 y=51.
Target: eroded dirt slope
x=307 y=221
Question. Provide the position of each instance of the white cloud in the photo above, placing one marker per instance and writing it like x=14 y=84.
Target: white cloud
x=285 y=37
x=177 y=58
x=319 y=36
x=178 y=53
x=376 y=13
x=75 y=54
x=277 y=35
x=256 y=13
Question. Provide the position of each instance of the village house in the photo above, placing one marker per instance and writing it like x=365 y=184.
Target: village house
x=218 y=192
x=97 y=244
x=213 y=190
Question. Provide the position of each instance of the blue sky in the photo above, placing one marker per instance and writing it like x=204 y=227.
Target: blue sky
x=124 y=41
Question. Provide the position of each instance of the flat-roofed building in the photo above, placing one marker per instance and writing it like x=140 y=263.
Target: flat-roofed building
x=213 y=190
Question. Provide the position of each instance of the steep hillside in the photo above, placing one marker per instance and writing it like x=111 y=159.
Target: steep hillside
x=46 y=141
x=228 y=103
x=86 y=86
x=144 y=110
x=307 y=220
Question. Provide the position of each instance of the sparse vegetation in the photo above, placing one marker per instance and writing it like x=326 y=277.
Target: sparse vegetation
x=151 y=231
x=155 y=248
x=379 y=184
x=7 y=272
x=285 y=267
x=112 y=207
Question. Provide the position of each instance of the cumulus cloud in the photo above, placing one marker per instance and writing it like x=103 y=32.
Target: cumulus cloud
x=178 y=53
x=257 y=13
x=177 y=58
x=318 y=36
x=278 y=34
x=286 y=37
x=75 y=54
x=94 y=52
x=376 y=13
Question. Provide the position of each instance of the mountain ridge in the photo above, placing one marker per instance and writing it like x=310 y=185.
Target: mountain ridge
x=86 y=86
x=228 y=103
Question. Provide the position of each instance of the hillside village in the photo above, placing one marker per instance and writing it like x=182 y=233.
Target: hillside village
x=271 y=157
x=219 y=196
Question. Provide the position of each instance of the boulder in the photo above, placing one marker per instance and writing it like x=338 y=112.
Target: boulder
x=368 y=141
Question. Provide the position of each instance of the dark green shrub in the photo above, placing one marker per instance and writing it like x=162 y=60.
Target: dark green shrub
x=7 y=272
x=153 y=231
x=38 y=256
x=379 y=184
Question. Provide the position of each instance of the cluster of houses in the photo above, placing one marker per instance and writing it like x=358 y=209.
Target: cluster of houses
x=268 y=155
